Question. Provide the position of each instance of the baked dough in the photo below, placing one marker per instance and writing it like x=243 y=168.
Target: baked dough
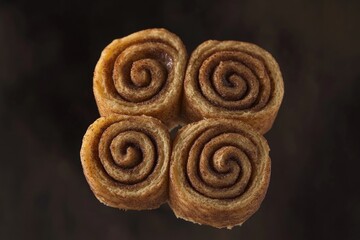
x=219 y=172
x=125 y=161
x=218 y=168
x=142 y=73
x=231 y=79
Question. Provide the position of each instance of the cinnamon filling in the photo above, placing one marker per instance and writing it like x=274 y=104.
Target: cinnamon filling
x=235 y=80
x=141 y=72
x=128 y=155
x=221 y=163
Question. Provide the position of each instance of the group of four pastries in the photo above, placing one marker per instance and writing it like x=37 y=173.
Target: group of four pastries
x=217 y=169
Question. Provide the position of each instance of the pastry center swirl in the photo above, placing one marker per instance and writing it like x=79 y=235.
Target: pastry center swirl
x=220 y=165
x=141 y=72
x=234 y=80
x=127 y=155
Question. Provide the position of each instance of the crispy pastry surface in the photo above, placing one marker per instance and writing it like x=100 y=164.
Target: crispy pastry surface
x=125 y=161
x=219 y=172
x=231 y=79
x=142 y=73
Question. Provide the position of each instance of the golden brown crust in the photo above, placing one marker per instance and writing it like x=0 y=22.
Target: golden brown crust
x=232 y=79
x=142 y=74
x=125 y=161
x=219 y=172
x=220 y=166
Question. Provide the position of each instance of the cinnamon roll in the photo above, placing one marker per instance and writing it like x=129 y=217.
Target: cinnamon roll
x=142 y=73
x=236 y=80
x=125 y=161
x=219 y=172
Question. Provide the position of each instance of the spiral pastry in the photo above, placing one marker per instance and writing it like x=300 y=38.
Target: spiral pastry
x=219 y=172
x=142 y=74
x=231 y=79
x=125 y=161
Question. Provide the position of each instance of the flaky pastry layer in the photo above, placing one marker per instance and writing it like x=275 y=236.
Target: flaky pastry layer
x=142 y=74
x=219 y=172
x=125 y=160
x=232 y=79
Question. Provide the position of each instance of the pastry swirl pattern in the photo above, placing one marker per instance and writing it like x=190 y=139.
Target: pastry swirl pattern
x=141 y=74
x=231 y=79
x=125 y=160
x=219 y=167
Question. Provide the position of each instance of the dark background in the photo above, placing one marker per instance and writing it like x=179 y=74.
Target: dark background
x=48 y=51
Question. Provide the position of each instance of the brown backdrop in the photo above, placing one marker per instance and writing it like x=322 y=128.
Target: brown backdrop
x=47 y=55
